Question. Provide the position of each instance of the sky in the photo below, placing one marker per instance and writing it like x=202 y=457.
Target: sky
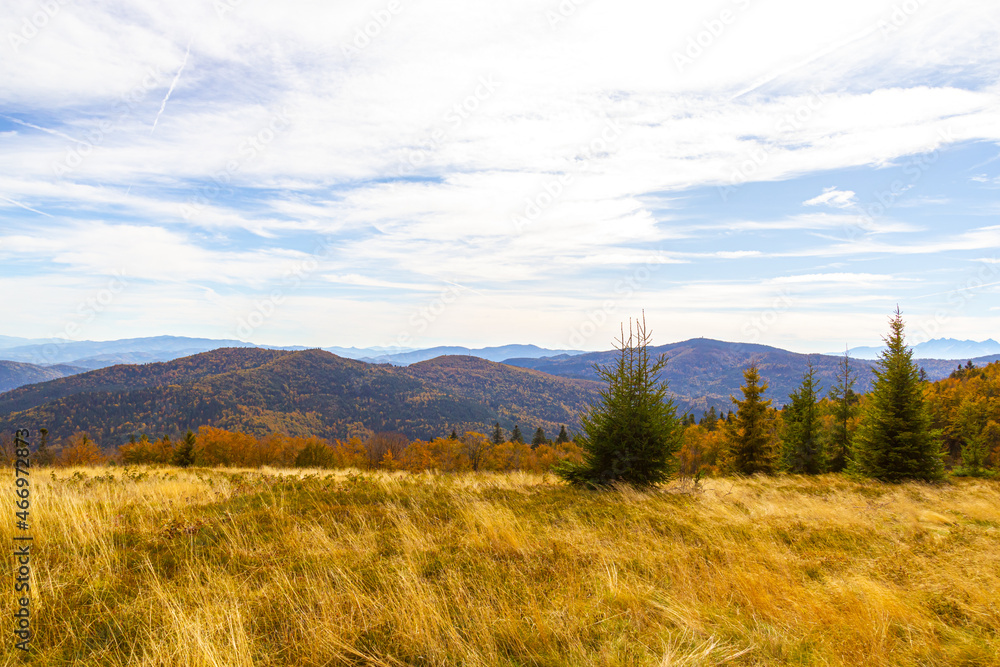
x=410 y=173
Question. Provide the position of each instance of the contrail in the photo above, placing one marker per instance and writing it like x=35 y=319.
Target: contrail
x=958 y=289
x=170 y=90
x=461 y=286
x=43 y=129
x=33 y=210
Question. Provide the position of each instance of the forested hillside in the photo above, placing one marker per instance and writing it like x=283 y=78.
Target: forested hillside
x=518 y=396
x=14 y=374
x=311 y=392
x=131 y=376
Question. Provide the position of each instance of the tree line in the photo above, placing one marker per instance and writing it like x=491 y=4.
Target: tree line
x=904 y=428
x=210 y=446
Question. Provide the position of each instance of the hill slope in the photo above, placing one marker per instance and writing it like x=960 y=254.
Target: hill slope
x=129 y=377
x=520 y=396
x=14 y=374
x=300 y=393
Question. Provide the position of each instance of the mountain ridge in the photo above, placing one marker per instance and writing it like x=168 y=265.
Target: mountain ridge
x=308 y=392
x=316 y=392
x=497 y=353
x=14 y=374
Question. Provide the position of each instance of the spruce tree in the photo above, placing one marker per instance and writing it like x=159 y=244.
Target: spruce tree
x=801 y=450
x=749 y=446
x=184 y=454
x=845 y=407
x=710 y=420
x=539 y=438
x=633 y=432
x=454 y=434
x=515 y=435
x=895 y=441
x=497 y=434
x=563 y=436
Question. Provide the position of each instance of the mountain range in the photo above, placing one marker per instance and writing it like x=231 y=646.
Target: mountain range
x=100 y=354
x=938 y=348
x=308 y=392
x=90 y=355
x=66 y=357
x=304 y=392
x=500 y=353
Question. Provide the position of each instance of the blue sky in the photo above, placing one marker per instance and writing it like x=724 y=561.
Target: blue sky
x=421 y=173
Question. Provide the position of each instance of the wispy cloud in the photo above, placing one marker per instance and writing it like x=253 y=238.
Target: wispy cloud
x=834 y=198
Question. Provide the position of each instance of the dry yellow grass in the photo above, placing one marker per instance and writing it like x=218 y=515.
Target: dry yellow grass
x=275 y=567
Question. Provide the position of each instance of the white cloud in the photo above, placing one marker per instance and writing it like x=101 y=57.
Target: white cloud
x=834 y=198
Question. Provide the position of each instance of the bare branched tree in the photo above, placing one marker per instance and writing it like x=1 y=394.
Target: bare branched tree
x=380 y=444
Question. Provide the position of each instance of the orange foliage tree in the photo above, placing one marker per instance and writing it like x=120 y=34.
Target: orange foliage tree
x=701 y=450
x=80 y=450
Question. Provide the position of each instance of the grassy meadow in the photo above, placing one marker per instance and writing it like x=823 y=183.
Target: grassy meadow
x=164 y=566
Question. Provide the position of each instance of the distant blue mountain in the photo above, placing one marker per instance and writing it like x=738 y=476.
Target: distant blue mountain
x=14 y=341
x=501 y=353
x=92 y=355
x=98 y=354
x=937 y=348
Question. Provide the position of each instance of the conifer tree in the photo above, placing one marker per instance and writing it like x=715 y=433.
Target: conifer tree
x=563 y=436
x=802 y=452
x=749 y=445
x=633 y=432
x=711 y=419
x=845 y=402
x=184 y=454
x=454 y=434
x=895 y=441
x=497 y=434
x=515 y=435
x=539 y=438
